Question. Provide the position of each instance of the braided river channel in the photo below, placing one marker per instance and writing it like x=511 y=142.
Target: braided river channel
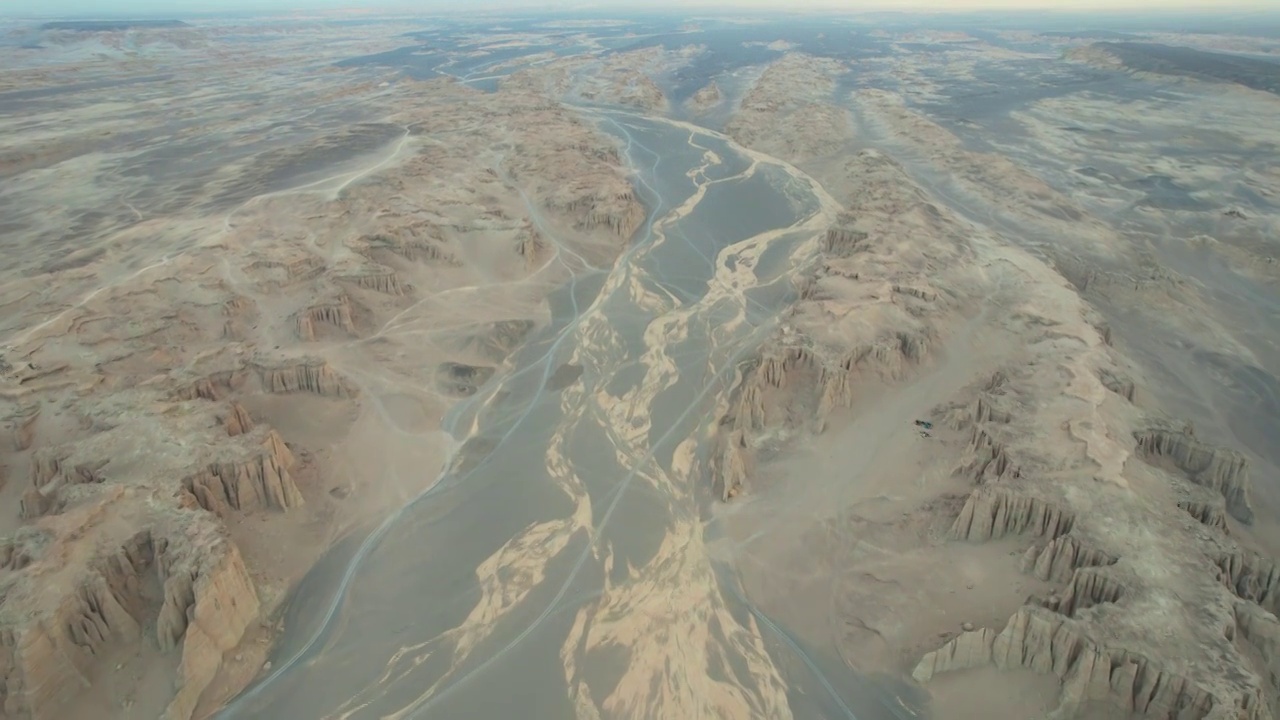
x=559 y=568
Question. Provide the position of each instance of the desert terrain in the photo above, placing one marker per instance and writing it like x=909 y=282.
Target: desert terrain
x=639 y=367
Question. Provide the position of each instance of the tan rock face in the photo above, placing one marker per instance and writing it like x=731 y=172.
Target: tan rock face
x=213 y=603
x=205 y=602
x=1046 y=642
x=260 y=481
x=992 y=512
x=1218 y=469
x=315 y=377
x=1061 y=557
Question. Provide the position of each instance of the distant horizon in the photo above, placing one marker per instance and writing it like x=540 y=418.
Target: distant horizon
x=180 y=9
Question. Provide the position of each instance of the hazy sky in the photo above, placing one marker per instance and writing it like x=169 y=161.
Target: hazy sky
x=88 y=8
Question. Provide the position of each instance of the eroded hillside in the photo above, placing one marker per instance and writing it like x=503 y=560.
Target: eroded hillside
x=185 y=438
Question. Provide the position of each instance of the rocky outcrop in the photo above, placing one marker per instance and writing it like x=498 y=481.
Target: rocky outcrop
x=209 y=602
x=261 y=480
x=1118 y=384
x=214 y=386
x=22 y=548
x=336 y=314
x=918 y=293
x=889 y=355
x=531 y=247
x=203 y=602
x=413 y=248
x=1219 y=469
x=1048 y=643
x=1212 y=514
x=236 y=420
x=843 y=240
x=1088 y=587
x=619 y=213
x=987 y=460
x=789 y=111
x=498 y=339
x=234 y=313
x=992 y=512
x=706 y=98
x=22 y=427
x=46 y=466
x=733 y=464
x=312 y=376
x=1058 y=560
x=1260 y=629
x=40 y=660
x=968 y=650
x=276 y=274
x=781 y=362
x=237 y=305
x=812 y=367
x=460 y=379
x=1044 y=641
x=89 y=472
x=1251 y=577
x=51 y=469
x=642 y=93
x=34 y=503
x=985 y=411
x=380 y=280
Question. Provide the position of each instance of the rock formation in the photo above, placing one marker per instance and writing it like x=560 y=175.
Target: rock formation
x=1252 y=577
x=990 y=461
x=461 y=379
x=1212 y=514
x=22 y=426
x=494 y=341
x=1152 y=609
x=531 y=246
x=1118 y=384
x=237 y=420
x=259 y=480
x=410 y=247
x=378 y=279
x=1061 y=557
x=706 y=99
x=1048 y=642
x=1094 y=631
x=205 y=602
x=22 y=548
x=1088 y=587
x=733 y=464
x=991 y=513
x=209 y=603
x=1219 y=469
x=618 y=213
x=312 y=376
x=335 y=314
x=843 y=331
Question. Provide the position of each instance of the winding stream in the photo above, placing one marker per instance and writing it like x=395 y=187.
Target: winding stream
x=558 y=569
